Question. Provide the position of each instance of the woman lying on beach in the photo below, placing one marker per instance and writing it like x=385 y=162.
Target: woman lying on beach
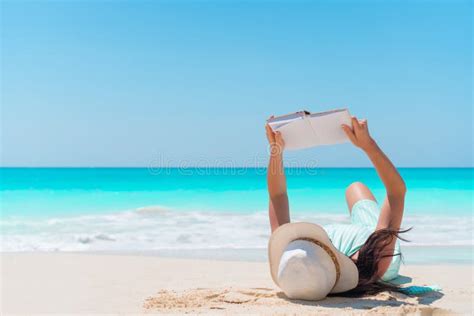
x=370 y=242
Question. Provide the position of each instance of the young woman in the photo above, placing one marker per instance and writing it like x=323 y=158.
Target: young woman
x=371 y=240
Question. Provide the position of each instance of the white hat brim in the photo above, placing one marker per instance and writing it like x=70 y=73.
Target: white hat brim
x=286 y=233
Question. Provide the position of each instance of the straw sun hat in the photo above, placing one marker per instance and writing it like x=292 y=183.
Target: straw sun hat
x=305 y=264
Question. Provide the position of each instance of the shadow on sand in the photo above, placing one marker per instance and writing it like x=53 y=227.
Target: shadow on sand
x=390 y=299
x=429 y=298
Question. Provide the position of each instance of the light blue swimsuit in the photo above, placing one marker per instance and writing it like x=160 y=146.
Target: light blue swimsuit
x=349 y=238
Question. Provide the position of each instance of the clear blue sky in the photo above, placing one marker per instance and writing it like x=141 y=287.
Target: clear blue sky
x=103 y=83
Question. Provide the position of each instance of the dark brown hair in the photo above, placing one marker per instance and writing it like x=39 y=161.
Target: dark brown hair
x=370 y=255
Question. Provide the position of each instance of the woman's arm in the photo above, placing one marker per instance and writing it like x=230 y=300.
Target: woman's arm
x=278 y=206
x=392 y=209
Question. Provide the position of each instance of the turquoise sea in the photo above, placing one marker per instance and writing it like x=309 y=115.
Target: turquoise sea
x=216 y=212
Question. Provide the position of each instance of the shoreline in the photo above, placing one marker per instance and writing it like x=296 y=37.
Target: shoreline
x=96 y=283
x=412 y=254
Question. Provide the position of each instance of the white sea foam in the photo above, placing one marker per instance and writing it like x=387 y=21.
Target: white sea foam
x=159 y=228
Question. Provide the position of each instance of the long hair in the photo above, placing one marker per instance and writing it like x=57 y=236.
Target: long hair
x=370 y=255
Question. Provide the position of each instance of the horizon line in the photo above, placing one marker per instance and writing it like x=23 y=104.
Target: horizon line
x=226 y=167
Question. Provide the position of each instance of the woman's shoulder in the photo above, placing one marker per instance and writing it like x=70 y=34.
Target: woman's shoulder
x=347 y=238
x=346 y=228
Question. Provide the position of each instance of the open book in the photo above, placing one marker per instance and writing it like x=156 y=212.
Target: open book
x=304 y=129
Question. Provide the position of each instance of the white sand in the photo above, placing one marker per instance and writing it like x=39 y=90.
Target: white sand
x=98 y=284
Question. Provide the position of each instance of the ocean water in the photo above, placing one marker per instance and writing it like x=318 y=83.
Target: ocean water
x=216 y=212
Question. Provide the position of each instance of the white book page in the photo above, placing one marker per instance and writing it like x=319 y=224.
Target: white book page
x=297 y=134
x=327 y=127
x=279 y=121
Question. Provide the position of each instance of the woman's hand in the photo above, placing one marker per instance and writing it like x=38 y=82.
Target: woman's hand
x=359 y=134
x=277 y=144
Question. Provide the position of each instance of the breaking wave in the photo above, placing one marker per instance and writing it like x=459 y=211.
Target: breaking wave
x=154 y=228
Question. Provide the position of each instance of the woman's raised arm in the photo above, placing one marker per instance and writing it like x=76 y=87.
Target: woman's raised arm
x=278 y=209
x=392 y=208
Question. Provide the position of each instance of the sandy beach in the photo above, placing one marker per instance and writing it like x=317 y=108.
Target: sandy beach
x=71 y=283
x=150 y=152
